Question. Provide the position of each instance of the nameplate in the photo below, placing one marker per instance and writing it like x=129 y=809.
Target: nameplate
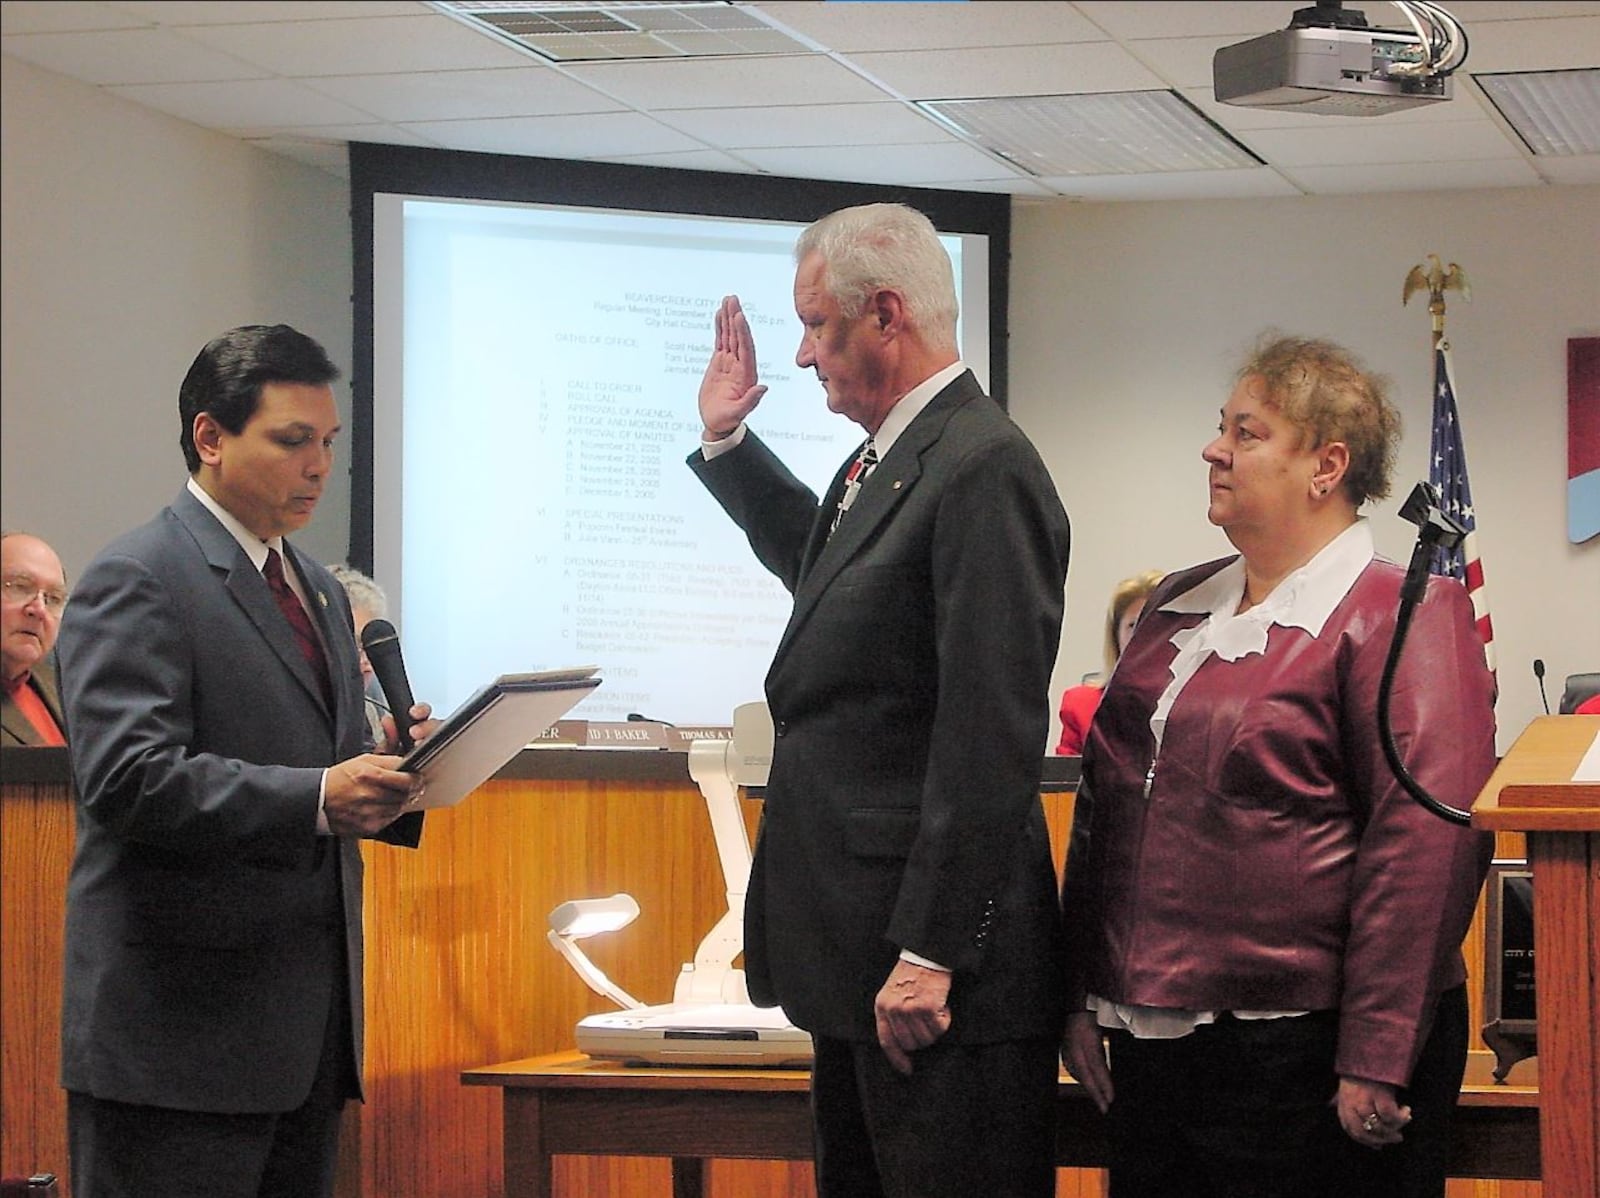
x=634 y=734
x=563 y=734
x=681 y=736
x=630 y=734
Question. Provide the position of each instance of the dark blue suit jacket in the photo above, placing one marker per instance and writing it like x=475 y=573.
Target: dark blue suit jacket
x=207 y=921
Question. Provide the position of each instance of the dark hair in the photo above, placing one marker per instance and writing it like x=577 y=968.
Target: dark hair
x=226 y=378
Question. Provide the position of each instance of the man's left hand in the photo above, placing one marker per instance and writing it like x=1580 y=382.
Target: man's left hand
x=911 y=1011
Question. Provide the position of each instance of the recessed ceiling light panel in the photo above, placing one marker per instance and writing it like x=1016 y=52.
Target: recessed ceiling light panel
x=588 y=32
x=1554 y=112
x=1103 y=133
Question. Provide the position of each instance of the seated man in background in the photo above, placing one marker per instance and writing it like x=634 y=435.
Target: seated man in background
x=35 y=596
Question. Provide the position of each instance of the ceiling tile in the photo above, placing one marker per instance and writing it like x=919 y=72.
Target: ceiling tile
x=1419 y=146
x=51 y=16
x=693 y=160
x=854 y=28
x=1158 y=18
x=888 y=123
x=378 y=133
x=1009 y=71
x=1583 y=168
x=1261 y=183
x=128 y=56
x=1514 y=10
x=254 y=104
x=908 y=164
x=1182 y=61
x=376 y=46
x=464 y=95
x=728 y=82
x=599 y=135
x=1440 y=176
x=396 y=69
x=1550 y=45
x=251 y=12
x=1015 y=186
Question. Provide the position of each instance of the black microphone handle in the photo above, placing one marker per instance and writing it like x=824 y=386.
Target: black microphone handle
x=1411 y=592
x=1538 y=672
x=382 y=645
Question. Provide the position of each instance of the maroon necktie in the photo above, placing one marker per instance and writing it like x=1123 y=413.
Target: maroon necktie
x=305 y=636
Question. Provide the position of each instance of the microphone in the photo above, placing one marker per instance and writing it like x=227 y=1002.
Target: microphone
x=382 y=644
x=1538 y=672
x=635 y=718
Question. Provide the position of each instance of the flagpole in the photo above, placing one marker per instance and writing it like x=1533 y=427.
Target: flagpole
x=1447 y=469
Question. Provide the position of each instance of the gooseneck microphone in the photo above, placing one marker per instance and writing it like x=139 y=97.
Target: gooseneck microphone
x=382 y=644
x=1538 y=672
x=635 y=718
x=1436 y=528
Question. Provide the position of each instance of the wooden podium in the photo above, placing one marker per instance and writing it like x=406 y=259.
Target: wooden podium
x=1533 y=791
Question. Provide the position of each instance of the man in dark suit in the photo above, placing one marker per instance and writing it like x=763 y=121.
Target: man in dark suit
x=212 y=1015
x=30 y=617
x=900 y=905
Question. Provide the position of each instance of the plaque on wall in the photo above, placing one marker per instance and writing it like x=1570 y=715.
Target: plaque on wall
x=1509 y=998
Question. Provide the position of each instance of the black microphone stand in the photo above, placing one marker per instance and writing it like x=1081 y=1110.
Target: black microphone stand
x=1436 y=529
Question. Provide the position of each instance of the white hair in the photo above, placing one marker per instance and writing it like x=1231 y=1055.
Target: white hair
x=362 y=591
x=875 y=246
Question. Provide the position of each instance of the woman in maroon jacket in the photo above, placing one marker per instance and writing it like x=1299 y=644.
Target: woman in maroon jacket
x=1264 y=928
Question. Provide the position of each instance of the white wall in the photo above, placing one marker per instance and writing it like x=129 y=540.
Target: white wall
x=130 y=240
x=1127 y=321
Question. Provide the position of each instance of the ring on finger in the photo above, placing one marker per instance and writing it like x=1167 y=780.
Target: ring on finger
x=1370 y=1123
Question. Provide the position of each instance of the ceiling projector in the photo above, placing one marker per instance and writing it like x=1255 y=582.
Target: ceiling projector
x=1330 y=62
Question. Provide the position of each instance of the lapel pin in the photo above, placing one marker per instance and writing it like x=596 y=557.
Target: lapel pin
x=897 y=484
x=322 y=599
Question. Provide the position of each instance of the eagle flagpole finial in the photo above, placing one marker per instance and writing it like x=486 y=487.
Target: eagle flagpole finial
x=1435 y=278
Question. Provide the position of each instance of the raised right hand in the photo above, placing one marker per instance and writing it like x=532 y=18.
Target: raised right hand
x=729 y=391
x=364 y=795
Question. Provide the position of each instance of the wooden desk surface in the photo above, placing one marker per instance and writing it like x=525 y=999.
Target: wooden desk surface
x=1530 y=790
x=1497 y=1131
x=574 y=1070
x=569 y=1070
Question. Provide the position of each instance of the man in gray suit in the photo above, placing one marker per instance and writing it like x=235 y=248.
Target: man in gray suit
x=211 y=1024
x=30 y=618
x=902 y=902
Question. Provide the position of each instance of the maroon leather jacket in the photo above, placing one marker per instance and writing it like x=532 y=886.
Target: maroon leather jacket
x=1276 y=863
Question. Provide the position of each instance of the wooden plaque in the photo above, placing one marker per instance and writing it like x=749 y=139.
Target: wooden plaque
x=1510 y=1001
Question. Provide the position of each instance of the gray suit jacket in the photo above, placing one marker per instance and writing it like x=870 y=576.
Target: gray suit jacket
x=910 y=700
x=207 y=922
x=14 y=726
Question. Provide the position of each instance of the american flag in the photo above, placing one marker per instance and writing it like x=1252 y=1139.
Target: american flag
x=1447 y=470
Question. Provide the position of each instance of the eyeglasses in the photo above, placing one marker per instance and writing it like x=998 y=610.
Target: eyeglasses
x=21 y=592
